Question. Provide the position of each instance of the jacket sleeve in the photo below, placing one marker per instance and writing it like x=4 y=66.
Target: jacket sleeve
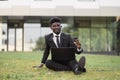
x=46 y=52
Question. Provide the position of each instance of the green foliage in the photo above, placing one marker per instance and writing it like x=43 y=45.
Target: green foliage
x=71 y=30
x=18 y=66
x=40 y=44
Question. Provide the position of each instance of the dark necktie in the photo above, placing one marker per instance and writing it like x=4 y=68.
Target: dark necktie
x=57 y=40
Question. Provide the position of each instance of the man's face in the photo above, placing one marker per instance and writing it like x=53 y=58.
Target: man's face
x=56 y=27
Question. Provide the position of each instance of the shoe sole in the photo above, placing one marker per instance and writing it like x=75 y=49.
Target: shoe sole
x=81 y=62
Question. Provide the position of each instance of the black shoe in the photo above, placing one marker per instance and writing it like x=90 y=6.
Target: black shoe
x=76 y=70
x=84 y=70
x=81 y=64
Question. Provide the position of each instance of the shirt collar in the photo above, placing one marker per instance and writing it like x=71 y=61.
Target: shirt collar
x=56 y=34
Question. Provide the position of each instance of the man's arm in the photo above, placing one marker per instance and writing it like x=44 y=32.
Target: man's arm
x=77 y=45
x=46 y=53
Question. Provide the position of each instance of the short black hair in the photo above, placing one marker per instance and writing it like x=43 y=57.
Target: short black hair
x=54 y=19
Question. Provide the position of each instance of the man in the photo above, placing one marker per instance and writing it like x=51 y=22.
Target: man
x=65 y=41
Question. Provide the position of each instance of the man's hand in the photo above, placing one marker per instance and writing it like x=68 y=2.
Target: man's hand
x=77 y=43
x=41 y=65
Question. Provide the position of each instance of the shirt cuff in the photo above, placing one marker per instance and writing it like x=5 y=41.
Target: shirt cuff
x=79 y=50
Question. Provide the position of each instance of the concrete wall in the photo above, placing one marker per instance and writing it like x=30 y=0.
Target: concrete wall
x=60 y=8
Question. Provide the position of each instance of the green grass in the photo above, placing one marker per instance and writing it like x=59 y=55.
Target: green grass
x=18 y=66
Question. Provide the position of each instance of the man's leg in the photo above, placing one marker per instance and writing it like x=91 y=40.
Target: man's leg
x=57 y=66
x=74 y=66
x=81 y=64
x=78 y=67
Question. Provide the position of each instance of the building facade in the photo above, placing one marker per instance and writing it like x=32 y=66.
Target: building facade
x=94 y=22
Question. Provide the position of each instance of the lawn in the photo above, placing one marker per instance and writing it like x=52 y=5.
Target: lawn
x=18 y=66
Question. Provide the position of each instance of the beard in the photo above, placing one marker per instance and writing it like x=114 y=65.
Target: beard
x=57 y=31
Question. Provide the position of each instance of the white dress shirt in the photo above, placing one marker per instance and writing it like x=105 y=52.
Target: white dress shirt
x=55 y=38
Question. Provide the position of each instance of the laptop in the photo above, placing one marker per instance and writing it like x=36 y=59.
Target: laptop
x=63 y=54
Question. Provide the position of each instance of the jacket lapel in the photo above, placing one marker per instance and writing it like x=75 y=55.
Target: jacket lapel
x=61 y=39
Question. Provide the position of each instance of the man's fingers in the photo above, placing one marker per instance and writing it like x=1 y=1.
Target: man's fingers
x=77 y=43
x=35 y=66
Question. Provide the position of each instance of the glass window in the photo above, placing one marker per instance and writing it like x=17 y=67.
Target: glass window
x=84 y=37
x=98 y=22
x=112 y=38
x=98 y=34
x=82 y=22
x=19 y=37
x=45 y=21
x=32 y=31
x=11 y=42
x=98 y=39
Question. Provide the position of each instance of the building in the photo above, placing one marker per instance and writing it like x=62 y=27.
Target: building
x=23 y=21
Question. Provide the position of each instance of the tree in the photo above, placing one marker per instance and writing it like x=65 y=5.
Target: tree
x=40 y=44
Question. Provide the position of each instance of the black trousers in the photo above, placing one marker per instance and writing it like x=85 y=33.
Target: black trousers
x=61 y=66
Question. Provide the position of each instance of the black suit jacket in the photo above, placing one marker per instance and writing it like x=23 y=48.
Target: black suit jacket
x=65 y=41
